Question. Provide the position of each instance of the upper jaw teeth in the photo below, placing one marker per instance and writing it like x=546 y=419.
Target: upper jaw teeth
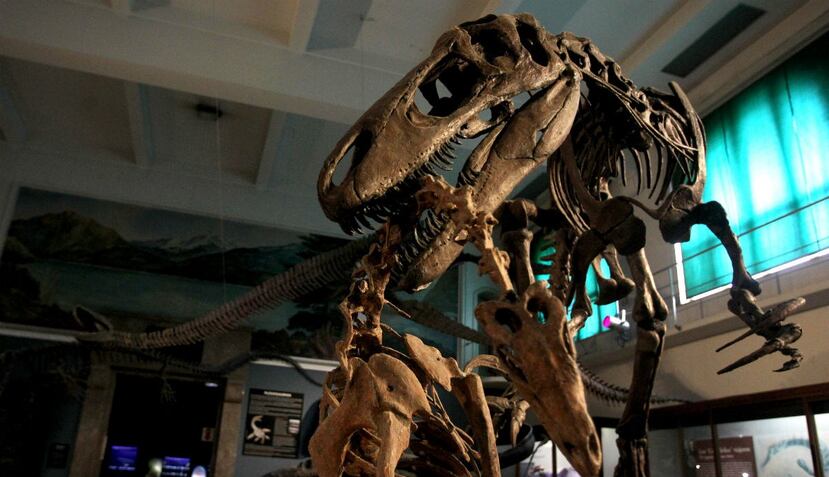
x=428 y=228
x=400 y=196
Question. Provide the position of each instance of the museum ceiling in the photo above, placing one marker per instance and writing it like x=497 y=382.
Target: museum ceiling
x=254 y=93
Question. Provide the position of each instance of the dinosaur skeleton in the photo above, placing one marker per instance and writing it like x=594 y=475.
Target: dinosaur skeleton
x=589 y=122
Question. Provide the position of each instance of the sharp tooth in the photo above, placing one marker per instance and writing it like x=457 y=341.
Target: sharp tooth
x=446 y=166
x=418 y=239
x=455 y=140
x=364 y=221
x=430 y=218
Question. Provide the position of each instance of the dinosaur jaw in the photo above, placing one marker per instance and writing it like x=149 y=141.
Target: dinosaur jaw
x=429 y=246
x=475 y=70
x=507 y=153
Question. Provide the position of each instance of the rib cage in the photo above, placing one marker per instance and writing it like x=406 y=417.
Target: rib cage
x=673 y=158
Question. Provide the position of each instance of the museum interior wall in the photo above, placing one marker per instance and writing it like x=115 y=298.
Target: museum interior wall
x=158 y=161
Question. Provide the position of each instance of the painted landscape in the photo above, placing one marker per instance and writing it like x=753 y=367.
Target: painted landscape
x=127 y=262
x=158 y=267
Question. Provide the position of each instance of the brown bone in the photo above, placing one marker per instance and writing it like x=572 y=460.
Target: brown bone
x=542 y=364
x=383 y=395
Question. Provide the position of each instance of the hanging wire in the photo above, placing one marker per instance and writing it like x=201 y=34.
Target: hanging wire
x=363 y=19
x=222 y=242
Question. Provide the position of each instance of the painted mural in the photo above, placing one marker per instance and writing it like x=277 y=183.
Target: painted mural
x=126 y=261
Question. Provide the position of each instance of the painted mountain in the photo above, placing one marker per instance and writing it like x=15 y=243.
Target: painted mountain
x=71 y=237
x=63 y=251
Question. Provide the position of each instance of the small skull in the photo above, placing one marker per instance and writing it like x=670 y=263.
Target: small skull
x=541 y=360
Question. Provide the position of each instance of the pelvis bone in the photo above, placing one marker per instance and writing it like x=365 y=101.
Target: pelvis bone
x=382 y=397
x=542 y=365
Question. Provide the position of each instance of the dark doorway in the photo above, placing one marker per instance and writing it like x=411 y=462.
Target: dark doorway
x=162 y=427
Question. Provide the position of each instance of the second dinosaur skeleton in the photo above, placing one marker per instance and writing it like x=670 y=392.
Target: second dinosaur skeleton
x=589 y=122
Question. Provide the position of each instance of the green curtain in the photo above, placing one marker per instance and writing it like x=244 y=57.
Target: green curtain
x=593 y=325
x=768 y=165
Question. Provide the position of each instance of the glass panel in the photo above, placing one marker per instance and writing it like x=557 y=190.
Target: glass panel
x=563 y=466
x=680 y=452
x=539 y=464
x=766 y=448
x=610 y=453
x=666 y=451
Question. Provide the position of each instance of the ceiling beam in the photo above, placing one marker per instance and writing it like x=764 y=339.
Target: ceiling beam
x=488 y=6
x=181 y=57
x=789 y=35
x=269 y=150
x=138 y=110
x=11 y=122
x=306 y=14
x=664 y=30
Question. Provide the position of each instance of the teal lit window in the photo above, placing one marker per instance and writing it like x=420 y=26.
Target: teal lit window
x=768 y=165
x=543 y=249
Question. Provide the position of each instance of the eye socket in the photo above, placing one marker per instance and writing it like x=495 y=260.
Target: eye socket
x=508 y=319
x=446 y=87
x=440 y=101
x=536 y=307
x=532 y=43
x=494 y=47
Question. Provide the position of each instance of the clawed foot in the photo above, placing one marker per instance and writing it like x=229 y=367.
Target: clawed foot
x=768 y=324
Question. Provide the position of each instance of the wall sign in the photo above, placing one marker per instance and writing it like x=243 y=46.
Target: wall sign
x=58 y=456
x=736 y=457
x=272 y=424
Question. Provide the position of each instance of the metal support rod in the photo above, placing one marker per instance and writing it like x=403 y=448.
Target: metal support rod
x=814 y=442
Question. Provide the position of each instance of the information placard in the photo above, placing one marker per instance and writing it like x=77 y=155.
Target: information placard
x=272 y=424
x=736 y=457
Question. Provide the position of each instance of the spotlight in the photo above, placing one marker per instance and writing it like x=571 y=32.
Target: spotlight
x=620 y=325
x=615 y=323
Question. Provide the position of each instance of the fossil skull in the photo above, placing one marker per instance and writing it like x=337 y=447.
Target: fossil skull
x=483 y=65
x=542 y=365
